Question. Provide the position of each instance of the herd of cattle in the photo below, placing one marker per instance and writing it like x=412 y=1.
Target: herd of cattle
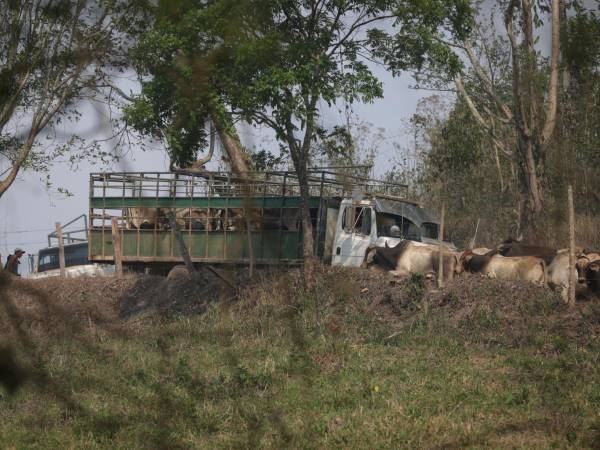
x=511 y=260
x=211 y=219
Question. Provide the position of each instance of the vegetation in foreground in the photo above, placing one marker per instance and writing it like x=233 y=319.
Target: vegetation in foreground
x=358 y=363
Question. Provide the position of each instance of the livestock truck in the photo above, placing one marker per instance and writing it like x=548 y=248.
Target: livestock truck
x=224 y=219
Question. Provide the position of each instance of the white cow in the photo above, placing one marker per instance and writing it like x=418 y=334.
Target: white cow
x=415 y=257
x=558 y=273
x=527 y=268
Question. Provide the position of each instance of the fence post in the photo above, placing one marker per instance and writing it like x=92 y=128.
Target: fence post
x=116 y=240
x=440 y=278
x=475 y=235
x=572 y=268
x=61 y=250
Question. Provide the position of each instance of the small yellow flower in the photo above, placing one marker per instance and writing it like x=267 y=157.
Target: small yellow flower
x=376 y=388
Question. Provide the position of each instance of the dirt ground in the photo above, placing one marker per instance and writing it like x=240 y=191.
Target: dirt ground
x=50 y=305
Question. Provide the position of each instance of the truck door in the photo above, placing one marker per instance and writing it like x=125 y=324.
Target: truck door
x=353 y=235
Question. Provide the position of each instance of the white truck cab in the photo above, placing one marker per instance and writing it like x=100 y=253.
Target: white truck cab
x=376 y=221
x=46 y=263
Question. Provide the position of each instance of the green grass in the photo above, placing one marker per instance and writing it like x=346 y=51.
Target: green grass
x=287 y=369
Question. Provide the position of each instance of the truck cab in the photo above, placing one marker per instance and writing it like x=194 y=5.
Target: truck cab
x=376 y=221
x=46 y=263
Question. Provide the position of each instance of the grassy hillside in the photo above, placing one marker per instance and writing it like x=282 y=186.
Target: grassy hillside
x=360 y=362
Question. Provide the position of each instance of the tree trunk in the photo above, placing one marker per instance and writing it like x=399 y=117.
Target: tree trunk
x=235 y=152
x=307 y=228
x=531 y=215
x=300 y=165
x=17 y=164
x=238 y=158
x=566 y=70
x=533 y=132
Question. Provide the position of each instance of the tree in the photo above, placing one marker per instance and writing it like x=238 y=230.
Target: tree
x=175 y=61
x=530 y=108
x=52 y=55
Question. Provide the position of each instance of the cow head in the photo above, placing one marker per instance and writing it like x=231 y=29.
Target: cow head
x=464 y=258
x=585 y=258
x=592 y=276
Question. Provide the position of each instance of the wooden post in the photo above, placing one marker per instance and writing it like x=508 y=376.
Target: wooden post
x=183 y=251
x=116 y=240
x=247 y=212
x=440 y=278
x=475 y=235
x=61 y=250
x=572 y=268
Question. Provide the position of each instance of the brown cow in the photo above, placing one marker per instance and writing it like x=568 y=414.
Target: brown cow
x=144 y=218
x=414 y=257
x=266 y=219
x=585 y=257
x=198 y=218
x=588 y=265
x=527 y=268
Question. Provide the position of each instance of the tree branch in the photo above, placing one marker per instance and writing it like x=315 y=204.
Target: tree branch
x=486 y=81
x=471 y=105
x=516 y=68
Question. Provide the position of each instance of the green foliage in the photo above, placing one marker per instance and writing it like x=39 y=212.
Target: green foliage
x=299 y=56
x=271 y=63
x=457 y=145
x=419 y=45
x=582 y=45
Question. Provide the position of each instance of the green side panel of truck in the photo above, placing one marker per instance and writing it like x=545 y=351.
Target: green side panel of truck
x=161 y=246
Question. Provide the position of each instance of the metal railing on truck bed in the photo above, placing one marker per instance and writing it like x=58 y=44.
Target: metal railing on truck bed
x=210 y=212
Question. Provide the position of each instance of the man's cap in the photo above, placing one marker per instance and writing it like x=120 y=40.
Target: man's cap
x=19 y=250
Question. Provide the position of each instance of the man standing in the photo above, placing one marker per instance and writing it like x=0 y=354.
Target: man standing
x=12 y=262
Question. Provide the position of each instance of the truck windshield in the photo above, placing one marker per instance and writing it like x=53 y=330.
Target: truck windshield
x=357 y=220
x=391 y=225
x=75 y=255
x=430 y=230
